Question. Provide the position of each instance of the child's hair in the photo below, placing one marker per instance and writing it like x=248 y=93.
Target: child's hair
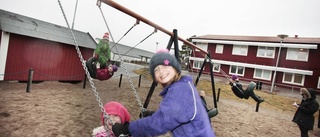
x=163 y=57
x=116 y=108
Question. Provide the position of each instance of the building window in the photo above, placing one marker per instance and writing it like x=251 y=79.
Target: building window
x=219 y=49
x=197 y=64
x=202 y=45
x=262 y=74
x=318 y=83
x=266 y=52
x=216 y=67
x=238 y=70
x=240 y=50
x=296 y=79
x=297 y=54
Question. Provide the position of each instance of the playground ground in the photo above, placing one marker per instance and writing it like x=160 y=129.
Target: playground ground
x=62 y=109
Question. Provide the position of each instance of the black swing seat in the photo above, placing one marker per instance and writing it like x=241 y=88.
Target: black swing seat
x=239 y=92
x=91 y=66
x=247 y=93
x=212 y=112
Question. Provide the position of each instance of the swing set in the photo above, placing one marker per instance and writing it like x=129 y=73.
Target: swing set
x=173 y=40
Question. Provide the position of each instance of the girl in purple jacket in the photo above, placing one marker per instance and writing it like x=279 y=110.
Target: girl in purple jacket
x=181 y=111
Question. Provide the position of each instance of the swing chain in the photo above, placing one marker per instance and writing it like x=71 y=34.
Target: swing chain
x=121 y=60
x=94 y=89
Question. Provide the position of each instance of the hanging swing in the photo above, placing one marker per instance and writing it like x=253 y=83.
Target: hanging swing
x=237 y=90
x=105 y=115
x=214 y=111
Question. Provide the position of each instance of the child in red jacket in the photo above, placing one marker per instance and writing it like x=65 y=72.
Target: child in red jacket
x=100 y=73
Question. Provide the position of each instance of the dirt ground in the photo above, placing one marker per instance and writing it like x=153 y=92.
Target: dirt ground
x=59 y=109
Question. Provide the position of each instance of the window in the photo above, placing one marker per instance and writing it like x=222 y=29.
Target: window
x=203 y=46
x=197 y=64
x=240 y=50
x=318 y=83
x=296 y=79
x=297 y=54
x=216 y=67
x=237 y=70
x=219 y=49
x=267 y=52
x=262 y=74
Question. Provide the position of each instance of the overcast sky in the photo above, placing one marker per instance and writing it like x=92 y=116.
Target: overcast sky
x=189 y=17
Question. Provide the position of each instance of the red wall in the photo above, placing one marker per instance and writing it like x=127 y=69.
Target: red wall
x=312 y=64
x=49 y=60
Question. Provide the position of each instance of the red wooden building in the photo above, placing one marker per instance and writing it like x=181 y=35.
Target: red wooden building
x=255 y=58
x=47 y=49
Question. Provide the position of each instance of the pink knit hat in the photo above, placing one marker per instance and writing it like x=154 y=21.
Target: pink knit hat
x=106 y=35
x=116 y=108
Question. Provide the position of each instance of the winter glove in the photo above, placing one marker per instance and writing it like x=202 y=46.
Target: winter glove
x=121 y=129
x=146 y=113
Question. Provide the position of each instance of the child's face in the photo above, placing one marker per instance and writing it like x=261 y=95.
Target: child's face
x=114 y=119
x=110 y=69
x=164 y=74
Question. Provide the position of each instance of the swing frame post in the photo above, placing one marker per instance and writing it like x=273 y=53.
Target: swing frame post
x=148 y=98
x=218 y=94
x=212 y=82
x=200 y=72
x=139 y=80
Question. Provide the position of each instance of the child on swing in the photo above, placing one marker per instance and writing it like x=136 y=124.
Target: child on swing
x=181 y=111
x=100 y=73
x=117 y=114
x=239 y=92
x=97 y=65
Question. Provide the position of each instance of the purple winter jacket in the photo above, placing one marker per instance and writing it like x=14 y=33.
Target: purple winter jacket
x=181 y=112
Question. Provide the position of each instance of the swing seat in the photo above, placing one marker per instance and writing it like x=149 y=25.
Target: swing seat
x=212 y=112
x=91 y=66
x=251 y=86
x=244 y=93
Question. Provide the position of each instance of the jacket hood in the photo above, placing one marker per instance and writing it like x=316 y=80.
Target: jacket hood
x=310 y=93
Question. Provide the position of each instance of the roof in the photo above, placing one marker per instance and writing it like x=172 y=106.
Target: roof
x=26 y=26
x=129 y=51
x=295 y=39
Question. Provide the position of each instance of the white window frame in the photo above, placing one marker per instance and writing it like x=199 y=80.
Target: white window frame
x=202 y=45
x=292 y=79
x=238 y=49
x=318 y=83
x=237 y=68
x=265 y=50
x=263 y=71
x=197 y=64
x=219 y=48
x=288 y=57
x=218 y=67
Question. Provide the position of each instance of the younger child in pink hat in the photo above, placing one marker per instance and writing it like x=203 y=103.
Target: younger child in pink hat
x=117 y=114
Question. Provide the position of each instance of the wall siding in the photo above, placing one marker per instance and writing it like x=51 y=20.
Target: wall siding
x=49 y=60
